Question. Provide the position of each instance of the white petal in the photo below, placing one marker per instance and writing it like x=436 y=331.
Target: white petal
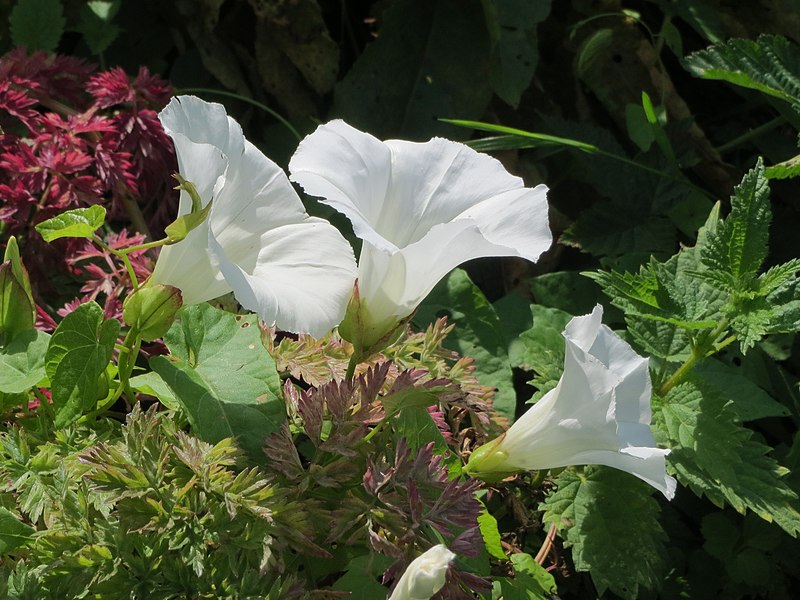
x=202 y=123
x=302 y=279
x=350 y=170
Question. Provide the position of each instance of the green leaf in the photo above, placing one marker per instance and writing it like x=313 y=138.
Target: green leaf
x=748 y=400
x=541 y=347
x=22 y=362
x=734 y=253
x=76 y=360
x=716 y=457
x=784 y=170
x=79 y=222
x=151 y=384
x=430 y=59
x=223 y=377
x=97 y=26
x=515 y=53
x=610 y=519
x=491 y=535
x=770 y=64
x=477 y=334
x=415 y=424
x=530 y=582
x=13 y=532
x=37 y=24
x=361 y=578
x=17 y=309
x=568 y=290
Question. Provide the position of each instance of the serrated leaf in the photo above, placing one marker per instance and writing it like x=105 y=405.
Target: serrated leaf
x=96 y=25
x=13 y=532
x=515 y=53
x=78 y=222
x=784 y=170
x=716 y=457
x=76 y=360
x=37 y=24
x=223 y=377
x=610 y=520
x=541 y=347
x=770 y=64
x=477 y=334
x=415 y=424
x=739 y=245
x=434 y=49
x=22 y=362
x=748 y=400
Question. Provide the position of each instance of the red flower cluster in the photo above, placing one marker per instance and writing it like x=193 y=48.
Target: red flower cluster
x=71 y=138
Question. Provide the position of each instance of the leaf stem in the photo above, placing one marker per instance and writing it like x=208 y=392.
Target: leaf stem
x=264 y=107
x=701 y=350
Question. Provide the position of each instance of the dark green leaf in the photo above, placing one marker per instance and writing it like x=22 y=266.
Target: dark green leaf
x=76 y=360
x=611 y=521
x=770 y=64
x=715 y=456
x=361 y=578
x=430 y=59
x=79 y=222
x=477 y=334
x=97 y=26
x=37 y=24
x=415 y=424
x=13 y=532
x=512 y=29
x=223 y=377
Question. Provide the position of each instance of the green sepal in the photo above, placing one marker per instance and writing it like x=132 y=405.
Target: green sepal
x=182 y=226
x=151 y=310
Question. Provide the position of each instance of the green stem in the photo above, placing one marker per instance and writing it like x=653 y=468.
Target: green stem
x=351 y=368
x=264 y=107
x=752 y=134
x=701 y=350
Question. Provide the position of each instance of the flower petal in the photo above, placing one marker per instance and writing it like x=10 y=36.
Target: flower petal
x=350 y=170
x=302 y=279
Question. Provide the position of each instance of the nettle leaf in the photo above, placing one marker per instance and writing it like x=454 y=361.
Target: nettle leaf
x=13 y=532
x=78 y=222
x=22 y=362
x=541 y=347
x=748 y=400
x=430 y=59
x=76 y=360
x=223 y=377
x=37 y=24
x=620 y=543
x=478 y=334
x=515 y=52
x=784 y=170
x=96 y=24
x=770 y=64
x=738 y=247
x=716 y=457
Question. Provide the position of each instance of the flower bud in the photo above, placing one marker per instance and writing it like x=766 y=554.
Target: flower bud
x=425 y=576
x=367 y=335
x=151 y=310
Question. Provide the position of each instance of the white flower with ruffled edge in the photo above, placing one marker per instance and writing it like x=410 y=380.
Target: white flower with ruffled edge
x=293 y=270
x=421 y=209
x=599 y=413
x=425 y=576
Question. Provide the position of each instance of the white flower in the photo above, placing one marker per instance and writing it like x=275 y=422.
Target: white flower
x=421 y=210
x=424 y=576
x=599 y=413
x=293 y=270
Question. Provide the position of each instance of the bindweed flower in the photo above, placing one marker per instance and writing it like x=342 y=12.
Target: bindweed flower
x=424 y=576
x=421 y=210
x=293 y=270
x=599 y=413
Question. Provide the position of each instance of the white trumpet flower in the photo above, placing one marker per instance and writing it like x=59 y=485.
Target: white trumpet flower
x=599 y=413
x=425 y=576
x=294 y=271
x=421 y=210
